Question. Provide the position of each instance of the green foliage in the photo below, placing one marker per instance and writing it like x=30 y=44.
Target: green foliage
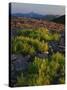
x=40 y=34
x=26 y=45
x=44 y=47
x=57 y=66
x=21 y=81
x=41 y=71
x=45 y=71
x=56 y=37
x=32 y=41
x=62 y=80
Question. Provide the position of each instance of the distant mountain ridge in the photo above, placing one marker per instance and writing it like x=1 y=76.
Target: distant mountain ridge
x=36 y=16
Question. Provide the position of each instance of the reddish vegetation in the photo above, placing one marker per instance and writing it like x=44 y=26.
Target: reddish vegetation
x=17 y=22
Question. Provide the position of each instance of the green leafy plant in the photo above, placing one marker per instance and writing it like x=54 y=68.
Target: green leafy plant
x=45 y=72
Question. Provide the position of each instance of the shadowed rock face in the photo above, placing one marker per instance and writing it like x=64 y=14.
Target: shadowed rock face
x=19 y=63
x=42 y=55
x=60 y=45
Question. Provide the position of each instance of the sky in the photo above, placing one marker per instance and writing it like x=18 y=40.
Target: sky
x=37 y=8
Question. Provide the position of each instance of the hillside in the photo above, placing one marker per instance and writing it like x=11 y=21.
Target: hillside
x=60 y=19
x=19 y=22
x=36 y=16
